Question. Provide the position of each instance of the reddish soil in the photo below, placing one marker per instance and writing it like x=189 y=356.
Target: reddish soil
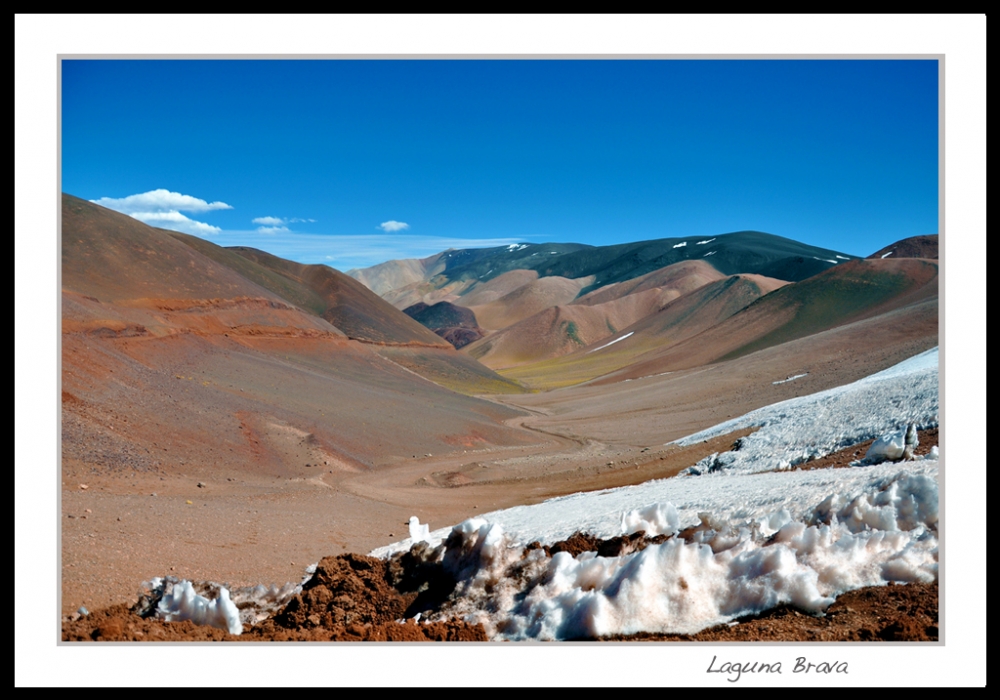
x=350 y=599
x=843 y=458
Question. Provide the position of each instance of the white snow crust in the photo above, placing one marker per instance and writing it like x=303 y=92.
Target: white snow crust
x=611 y=343
x=791 y=379
x=807 y=427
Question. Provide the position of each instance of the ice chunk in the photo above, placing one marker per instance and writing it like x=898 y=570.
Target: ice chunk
x=892 y=446
x=182 y=603
x=418 y=532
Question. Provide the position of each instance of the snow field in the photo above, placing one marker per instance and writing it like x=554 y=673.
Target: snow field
x=726 y=569
x=759 y=535
x=796 y=430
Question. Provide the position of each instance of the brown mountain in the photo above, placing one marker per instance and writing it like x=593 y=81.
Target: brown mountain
x=678 y=319
x=347 y=303
x=914 y=247
x=850 y=292
x=679 y=278
x=527 y=300
x=394 y=274
x=180 y=356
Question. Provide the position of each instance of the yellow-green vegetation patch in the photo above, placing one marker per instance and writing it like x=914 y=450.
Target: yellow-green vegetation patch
x=453 y=371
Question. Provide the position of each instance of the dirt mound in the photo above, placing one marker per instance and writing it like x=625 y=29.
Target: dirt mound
x=350 y=598
x=580 y=542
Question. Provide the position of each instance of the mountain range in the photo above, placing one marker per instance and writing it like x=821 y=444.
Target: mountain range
x=553 y=315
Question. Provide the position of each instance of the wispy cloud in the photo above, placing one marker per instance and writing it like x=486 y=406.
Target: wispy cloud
x=163 y=208
x=346 y=252
x=275 y=224
x=391 y=226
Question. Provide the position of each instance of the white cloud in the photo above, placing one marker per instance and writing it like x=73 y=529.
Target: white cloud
x=272 y=229
x=268 y=221
x=175 y=221
x=393 y=226
x=297 y=220
x=163 y=208
x=159 y=200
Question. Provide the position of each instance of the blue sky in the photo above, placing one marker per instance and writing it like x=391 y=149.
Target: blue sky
x=351 y=163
